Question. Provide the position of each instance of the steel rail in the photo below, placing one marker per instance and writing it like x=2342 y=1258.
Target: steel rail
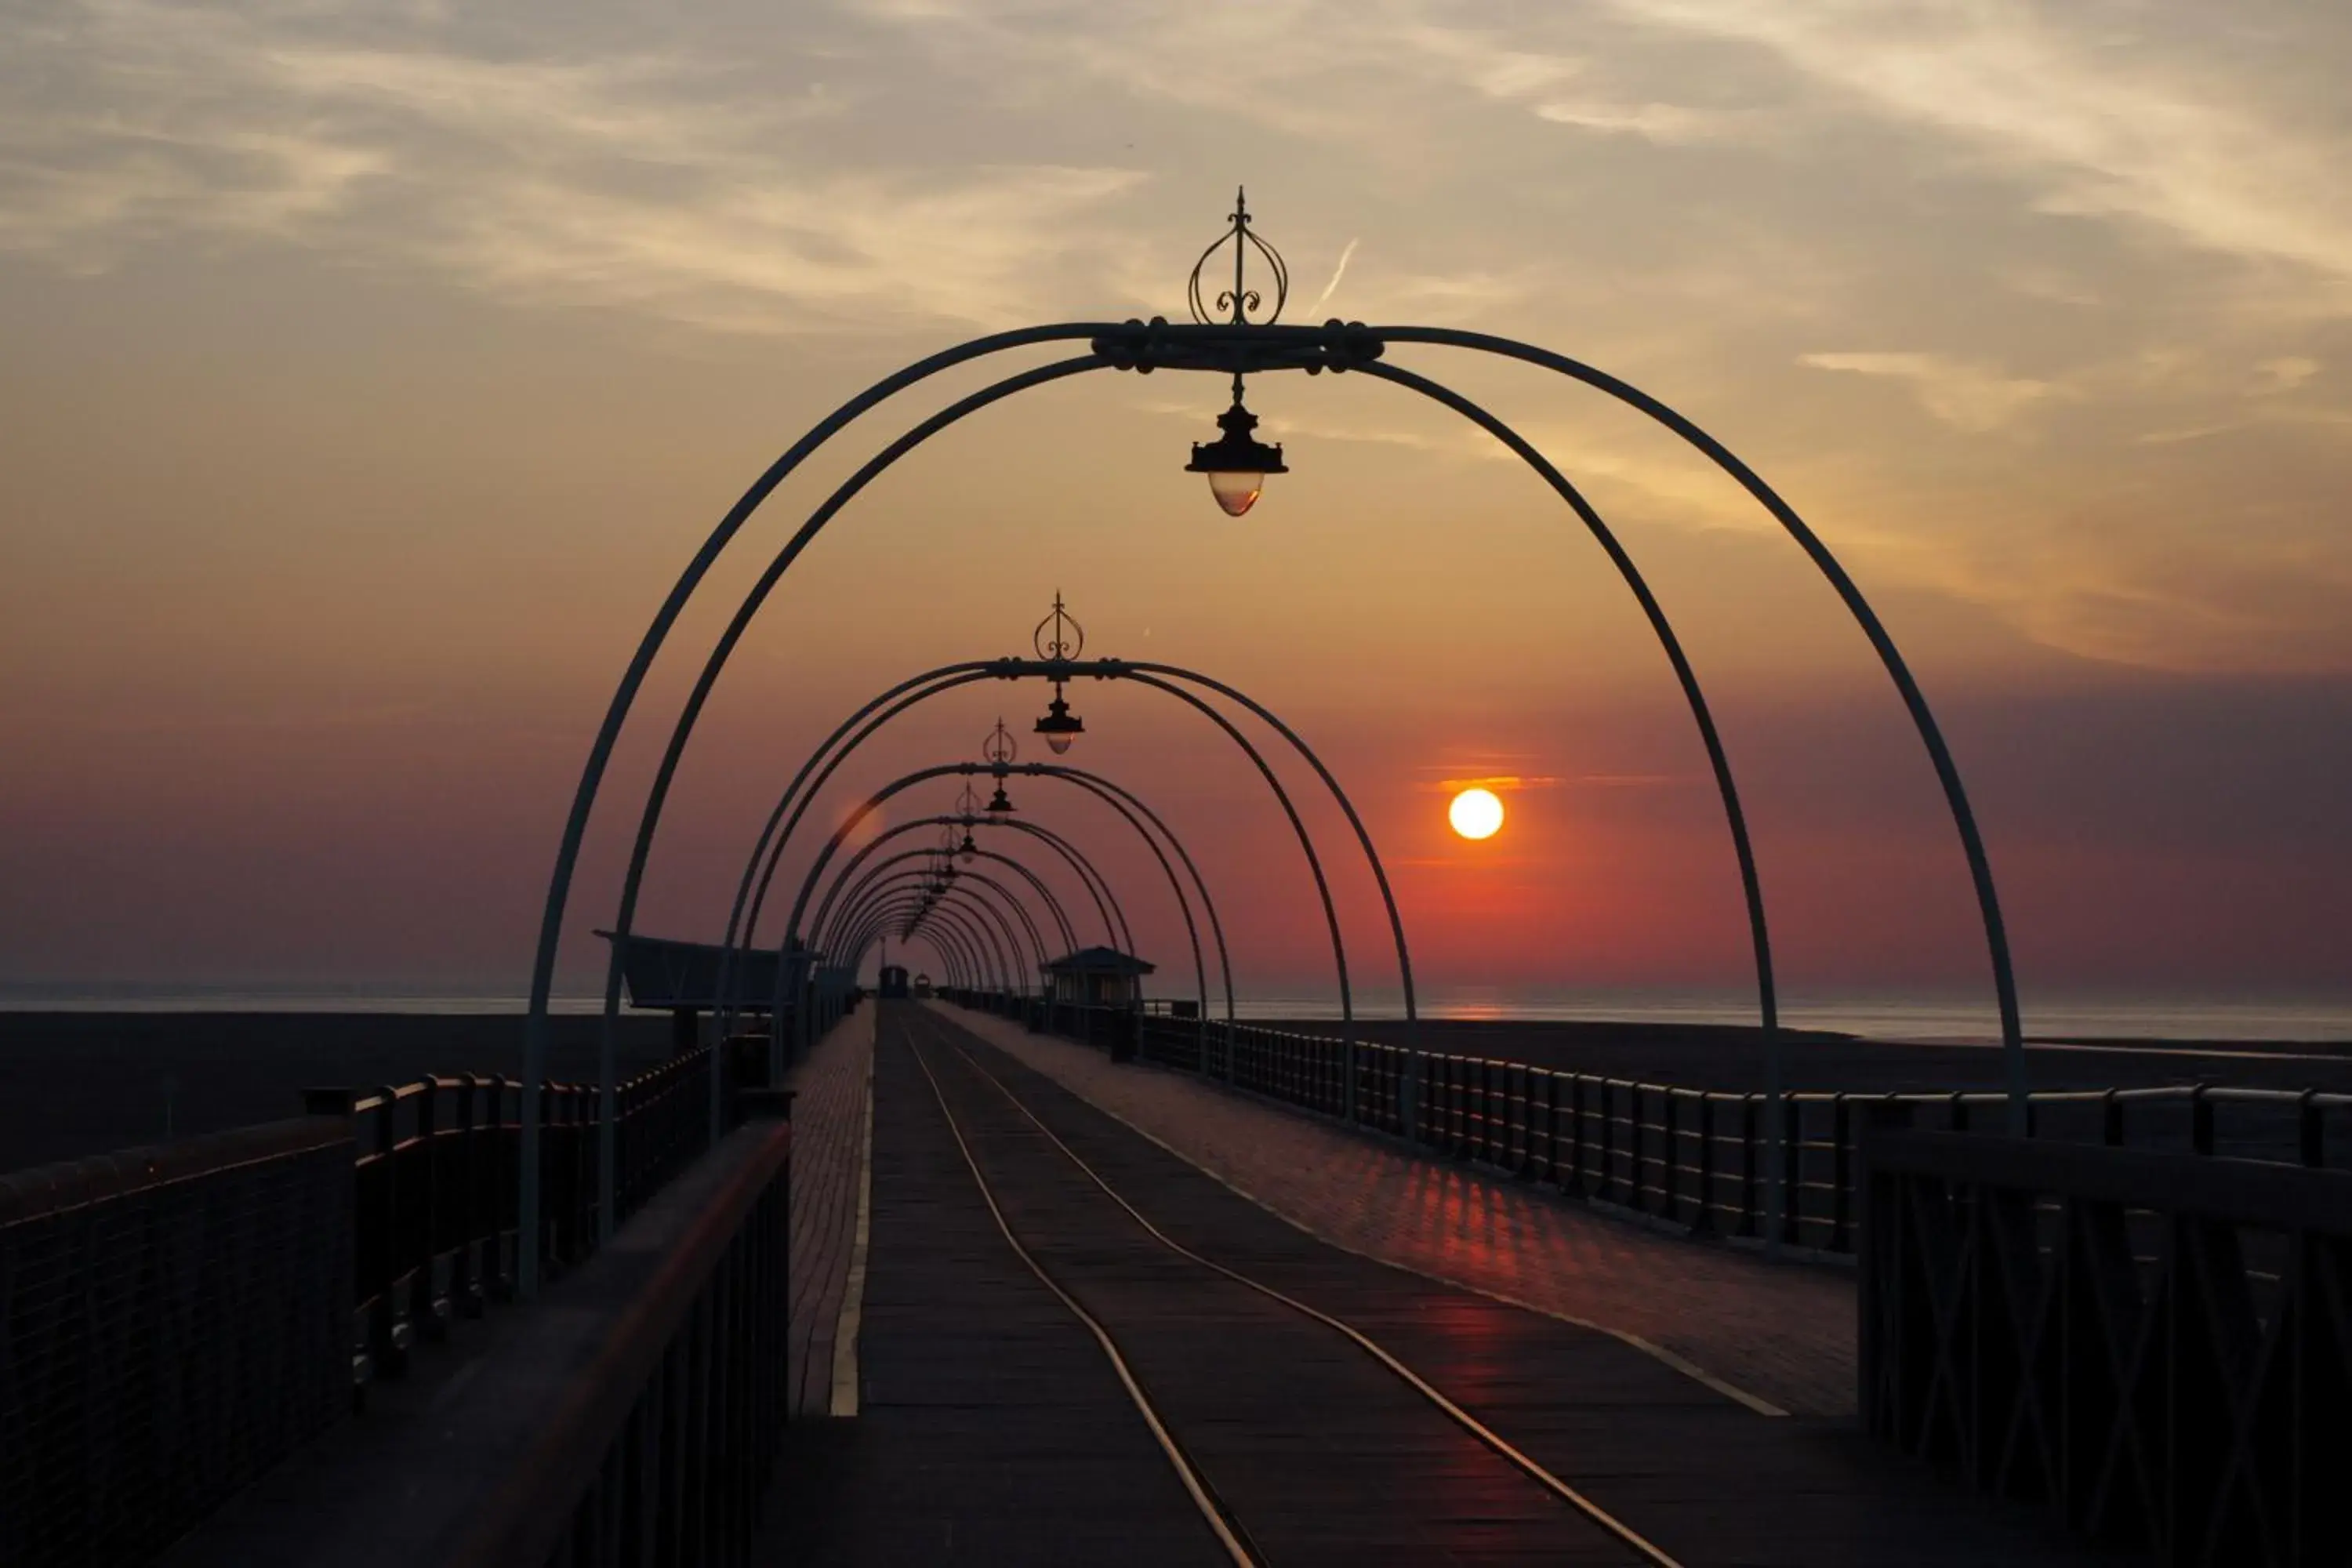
x=1387 y=1360
x=1215 y=1512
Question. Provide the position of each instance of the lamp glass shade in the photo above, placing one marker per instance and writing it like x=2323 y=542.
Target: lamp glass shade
x=1236 y=491
x=1058 y=742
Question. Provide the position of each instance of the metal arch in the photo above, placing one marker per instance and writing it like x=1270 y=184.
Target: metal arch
x=979 y=943
x=616 y=712
x=649 y=818
x=859 y=929
x=931 y=942
x=740 y=928
x=899 y=698
x=1931 y=735
x=902 y=906
x=876 y=886
x=1120 y=799
x=966 y=676
x=902 y=920
x=821 y=923
x=1142 y=667
x=946 y=945
x=904 y=913
x=1037 y=884
x=1750 y=881
x=1052 y=904
x=965 y=770
x=874 y=881
x=1140 y=346
x=962 y=908
x=1089 y=876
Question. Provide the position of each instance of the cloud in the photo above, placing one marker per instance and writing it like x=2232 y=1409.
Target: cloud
x=1965 y=395
x=650 y=179
x=2101 y=130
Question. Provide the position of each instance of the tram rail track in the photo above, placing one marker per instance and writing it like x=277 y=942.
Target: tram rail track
x=1224 y=1523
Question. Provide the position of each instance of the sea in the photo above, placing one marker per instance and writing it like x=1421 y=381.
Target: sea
x=1924 y=1017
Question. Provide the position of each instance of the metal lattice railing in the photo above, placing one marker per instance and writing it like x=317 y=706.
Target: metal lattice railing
x=1697 y=1158
x=2155 y=1346
x=175 y=1321
x=172 y=1321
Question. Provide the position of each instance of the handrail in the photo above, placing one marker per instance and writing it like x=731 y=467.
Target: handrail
x=1699 y=1158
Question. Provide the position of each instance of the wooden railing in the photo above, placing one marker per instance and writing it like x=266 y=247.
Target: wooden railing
x=2155 y=1346
x=438 y=1159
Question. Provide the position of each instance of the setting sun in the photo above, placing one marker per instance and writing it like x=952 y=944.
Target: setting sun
x=1475 y=813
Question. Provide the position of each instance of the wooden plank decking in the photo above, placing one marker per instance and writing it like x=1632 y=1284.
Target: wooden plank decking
x=994 y=1429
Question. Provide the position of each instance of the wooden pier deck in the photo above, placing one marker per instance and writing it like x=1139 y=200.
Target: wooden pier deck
x=1156 y=1372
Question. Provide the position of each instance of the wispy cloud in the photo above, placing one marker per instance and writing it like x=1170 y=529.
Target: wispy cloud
x=2156 y=143
x=1966 y=396
x=651 y=180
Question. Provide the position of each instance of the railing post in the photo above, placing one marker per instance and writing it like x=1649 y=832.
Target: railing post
x=1607 y=1174
x=2200 y=1119
x=1670 y=1153
x=2111 y=1120
x=1840 y=1171
x=1576 y=1182
x=2310 y=1132
x=1705 y=1221
x=1789 y=1139
x=1751 y=1223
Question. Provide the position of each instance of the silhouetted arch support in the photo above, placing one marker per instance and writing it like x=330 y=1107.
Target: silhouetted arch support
x=1052 y=904
x=880 y=876
x=1750 y=882
x=987 y=958
x=1117 y=797
x=903 y=914
x=820 y=766
x=608 y=734
x=965 y=903
x=1923 y=719
x=752 y=890
x=967 y=770
x=1223 y=349
x=812 y=777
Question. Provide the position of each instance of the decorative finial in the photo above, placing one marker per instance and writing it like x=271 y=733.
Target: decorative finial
x=1241 y=305
x=999 y=750
x=1069 y=638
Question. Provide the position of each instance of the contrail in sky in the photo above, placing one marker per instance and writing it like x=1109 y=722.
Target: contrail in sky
x=1337 y=273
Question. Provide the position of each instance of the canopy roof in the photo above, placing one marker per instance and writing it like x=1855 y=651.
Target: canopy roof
x=662 y=973
x=1097 y=960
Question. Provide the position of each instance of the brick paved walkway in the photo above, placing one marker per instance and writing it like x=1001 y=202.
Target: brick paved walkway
x=829 y=1132
x=1780 y=1333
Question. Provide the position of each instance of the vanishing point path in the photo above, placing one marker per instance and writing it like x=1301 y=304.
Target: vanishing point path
x=1073 y=1346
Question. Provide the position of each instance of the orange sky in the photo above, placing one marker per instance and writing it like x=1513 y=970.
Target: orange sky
x=372 y=372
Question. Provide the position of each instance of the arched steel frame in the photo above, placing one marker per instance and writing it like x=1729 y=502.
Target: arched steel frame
x=752 y=888
x=1052 y=903
x=878 y=878
x=965 y=929
x=911 y=693
x=827 y=945
x=1007 y=955
x=1117 y=796
x=880 y=923
x=1225 y=349
x=909 y=915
